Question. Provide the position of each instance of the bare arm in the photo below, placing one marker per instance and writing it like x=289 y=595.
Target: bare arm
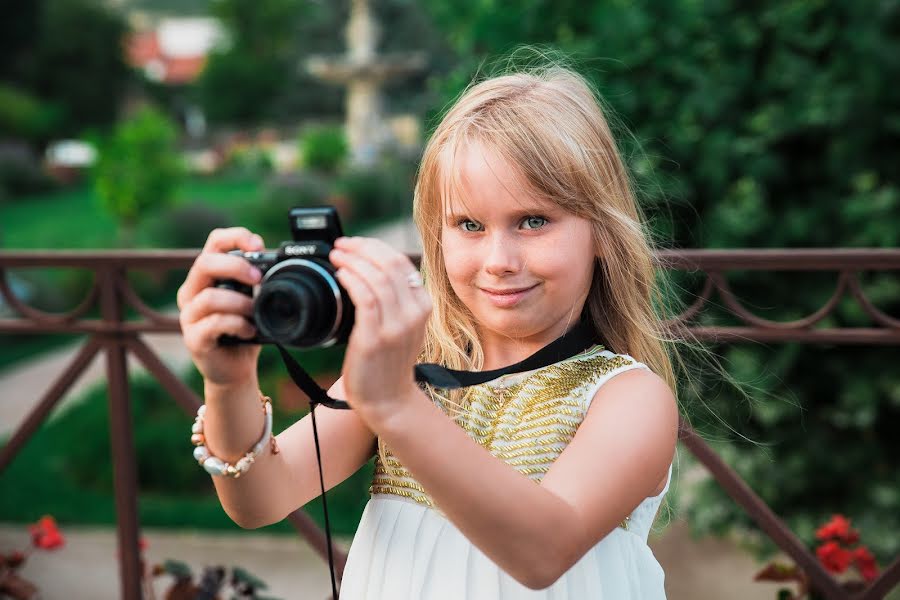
x=537 y=532
x=278 y=484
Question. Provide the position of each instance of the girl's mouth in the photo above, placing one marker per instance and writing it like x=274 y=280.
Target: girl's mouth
x=506 y=297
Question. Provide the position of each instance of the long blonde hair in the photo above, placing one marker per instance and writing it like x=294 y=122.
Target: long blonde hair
x=548 y=122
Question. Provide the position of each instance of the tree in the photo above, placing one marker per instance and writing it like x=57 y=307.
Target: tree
x=138 y=169
x=78 y=62
x=241 y=82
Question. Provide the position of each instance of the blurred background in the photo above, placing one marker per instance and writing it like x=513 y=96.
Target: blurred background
x=147 y=123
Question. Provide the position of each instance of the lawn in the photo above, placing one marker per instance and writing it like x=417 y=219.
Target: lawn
x=73 y=217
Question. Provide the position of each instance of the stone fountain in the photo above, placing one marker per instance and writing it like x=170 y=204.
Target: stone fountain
x=365 y=73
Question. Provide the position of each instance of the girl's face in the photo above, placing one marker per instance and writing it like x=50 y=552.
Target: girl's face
x=521 y=264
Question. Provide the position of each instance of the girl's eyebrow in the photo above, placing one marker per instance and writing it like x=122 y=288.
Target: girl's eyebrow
x=526 y=211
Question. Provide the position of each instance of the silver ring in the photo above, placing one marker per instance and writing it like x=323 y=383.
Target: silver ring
x=414 y=280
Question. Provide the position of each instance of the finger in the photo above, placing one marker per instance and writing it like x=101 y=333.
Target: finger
x=367 y=310
x=205 y=333
x=378 y=282
x=233 y=238
x=395 y=266
x=216 y=300
x=210 y=266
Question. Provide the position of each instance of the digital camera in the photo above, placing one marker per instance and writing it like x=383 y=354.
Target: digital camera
x=299 y=302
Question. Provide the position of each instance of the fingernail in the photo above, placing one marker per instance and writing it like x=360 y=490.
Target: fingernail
x=258 y=242
x=255 y=274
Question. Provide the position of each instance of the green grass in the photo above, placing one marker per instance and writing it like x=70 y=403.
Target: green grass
x=73 y=218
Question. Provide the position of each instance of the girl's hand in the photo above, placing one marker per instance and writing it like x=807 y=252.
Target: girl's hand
x=389 y=327
x=208 y=312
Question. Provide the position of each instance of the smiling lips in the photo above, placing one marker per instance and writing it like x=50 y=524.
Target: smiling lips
x=505 y=298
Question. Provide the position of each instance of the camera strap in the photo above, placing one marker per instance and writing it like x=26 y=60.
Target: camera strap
x=578 y=339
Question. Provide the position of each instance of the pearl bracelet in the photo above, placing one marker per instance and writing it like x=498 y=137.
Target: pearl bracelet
x=215 y=465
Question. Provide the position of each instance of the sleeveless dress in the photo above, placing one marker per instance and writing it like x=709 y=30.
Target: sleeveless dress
x=406 y=549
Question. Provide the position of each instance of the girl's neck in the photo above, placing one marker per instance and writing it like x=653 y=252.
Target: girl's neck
x=501 y=351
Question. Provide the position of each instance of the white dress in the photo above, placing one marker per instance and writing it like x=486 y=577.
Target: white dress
x=405 y=549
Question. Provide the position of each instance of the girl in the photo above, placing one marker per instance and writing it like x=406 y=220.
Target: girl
x=546 y=480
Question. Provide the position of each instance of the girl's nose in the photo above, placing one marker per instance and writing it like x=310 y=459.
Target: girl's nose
x=503 y=256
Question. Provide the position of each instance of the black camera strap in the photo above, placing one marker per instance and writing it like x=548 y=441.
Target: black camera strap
x=578 y=339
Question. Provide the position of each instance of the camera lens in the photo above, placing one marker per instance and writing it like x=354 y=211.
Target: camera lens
x=282 y=310
x=297 y=306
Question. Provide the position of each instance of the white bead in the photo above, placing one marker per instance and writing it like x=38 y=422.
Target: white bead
x=242 y=465
x=197 y=427
x=201 y=411
x=201 y=453
x=214 y=465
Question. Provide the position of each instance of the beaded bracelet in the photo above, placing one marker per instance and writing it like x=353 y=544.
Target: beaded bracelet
x=215 y=465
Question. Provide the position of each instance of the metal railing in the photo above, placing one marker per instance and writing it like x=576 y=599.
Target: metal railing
x=116 y=337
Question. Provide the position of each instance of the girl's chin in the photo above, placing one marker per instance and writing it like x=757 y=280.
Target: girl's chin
x=514 y=324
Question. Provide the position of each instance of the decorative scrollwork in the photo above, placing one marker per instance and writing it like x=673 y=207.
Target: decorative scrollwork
x=131 y=297
x=870 y=309
x=43 y=317
x=738 y=309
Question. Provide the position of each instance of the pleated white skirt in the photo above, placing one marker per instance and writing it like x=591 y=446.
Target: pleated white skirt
x=405 y=550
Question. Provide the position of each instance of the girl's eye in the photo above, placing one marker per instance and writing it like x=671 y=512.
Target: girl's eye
x=469 y=225
x=534 y=222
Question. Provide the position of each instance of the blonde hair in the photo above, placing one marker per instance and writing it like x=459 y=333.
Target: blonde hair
x=548 y=122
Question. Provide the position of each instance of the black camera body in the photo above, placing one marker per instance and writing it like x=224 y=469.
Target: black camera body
x=299 y=302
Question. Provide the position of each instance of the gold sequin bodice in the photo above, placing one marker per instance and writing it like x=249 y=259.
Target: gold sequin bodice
x=524 y=419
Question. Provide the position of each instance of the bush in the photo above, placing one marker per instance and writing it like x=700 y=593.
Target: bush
x=67 y=468
x=324 y=148
x=283 y=192
x=21 y=173
x=381 y=192
x=138 y=168
x=187 y=225
x=25 y=116
x=250 y=161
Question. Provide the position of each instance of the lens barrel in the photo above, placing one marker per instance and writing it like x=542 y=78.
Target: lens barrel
x=300 y=304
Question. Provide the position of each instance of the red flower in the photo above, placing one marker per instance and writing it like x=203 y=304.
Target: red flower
x=838 y=528
x=833 y=557
x=45 y=534
x=865 y=562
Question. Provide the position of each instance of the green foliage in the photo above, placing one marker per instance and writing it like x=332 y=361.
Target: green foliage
x=249 y=162
x=766 y=125
x=24 y=115
x=269 y=217
x=261 y=36
x=138 y=168
x=188 y=225
x=21 y=174
x=323 y=148
x=226 y=102
x=75 y=60
x=66 y=469
x=382 y=191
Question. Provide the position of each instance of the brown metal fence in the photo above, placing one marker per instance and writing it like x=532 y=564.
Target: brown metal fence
x=115 y=336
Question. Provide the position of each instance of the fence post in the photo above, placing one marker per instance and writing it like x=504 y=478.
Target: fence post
x=121 y=434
